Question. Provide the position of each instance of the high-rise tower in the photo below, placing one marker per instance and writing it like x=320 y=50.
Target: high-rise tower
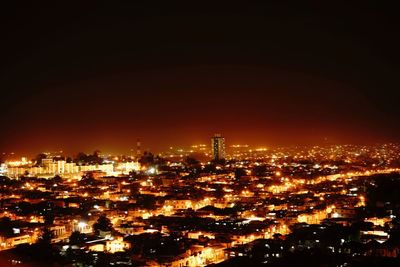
x=218 y=147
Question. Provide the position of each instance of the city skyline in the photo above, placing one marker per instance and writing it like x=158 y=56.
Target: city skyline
x=136 y=133
x=130 y=151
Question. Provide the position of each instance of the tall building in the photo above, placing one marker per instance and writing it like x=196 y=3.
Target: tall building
x=218 y=147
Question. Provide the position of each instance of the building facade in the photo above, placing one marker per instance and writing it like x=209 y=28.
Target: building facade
x=218 y=147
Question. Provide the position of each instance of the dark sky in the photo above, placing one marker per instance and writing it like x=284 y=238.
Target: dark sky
x=88 y=76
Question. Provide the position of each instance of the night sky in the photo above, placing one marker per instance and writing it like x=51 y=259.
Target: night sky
x=88 y=76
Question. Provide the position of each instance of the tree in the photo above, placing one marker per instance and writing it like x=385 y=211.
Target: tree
x=146 y=201
x=159 y=161
x=57 y=179
x=81 y=158
x=192 y=165
x=147 y=159
x=210 y=168
x=219 y=193
x=46 y=237
x=42 y=251
x=76 y=238
x=6 y=226
x=103 y=260
x=103 y=224
x=84 y=159
x=259 y=170
x=38 y=159
x=95 y=158
x=219 y=161
x=88 y=179
x=189 y=161
x=48 y=217
x=239 y=172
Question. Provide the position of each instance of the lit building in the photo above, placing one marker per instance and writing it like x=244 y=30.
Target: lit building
x=111 y=246
x=126 y=167
x=218 y=147
x=3 y=169
x=13 y=241
x=61 y=167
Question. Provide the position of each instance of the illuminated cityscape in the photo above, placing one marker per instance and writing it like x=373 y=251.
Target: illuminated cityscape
x=137 y=133
x=174 y=210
